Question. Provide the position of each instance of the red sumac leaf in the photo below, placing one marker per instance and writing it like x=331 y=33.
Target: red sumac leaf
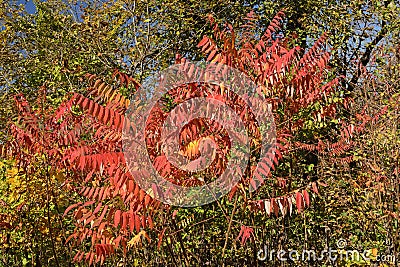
x=160 y=237
x=70 y=237
x=117 y=241
x=131 y=220
x=81 y=256
x=299 y=201
x=102 y=214
x=147 y=200
x=106 y=115
x=150 y=221
x=306 y=197
x=70 y=208
x=101 y=227
x=117 y=218
x=88 y=203
x=275 y=206
x=89 y=176
x=75 y=259
x=190 y=72
x=212 y=55
x=82 y=163
x=143 y=221
x=203 y=41
x=137 y=189
x=137 y=223
x=314 y=188
x=91 y=258
x=85 y=103
x=97 y=208
x=142 y=194
x=124 y=220
x=86 y=192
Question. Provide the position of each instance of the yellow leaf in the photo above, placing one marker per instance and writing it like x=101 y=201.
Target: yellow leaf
x=137 y=239
x=11 y=172
x=374 y=252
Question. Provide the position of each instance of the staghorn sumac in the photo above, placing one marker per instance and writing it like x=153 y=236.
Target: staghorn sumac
x=83 y=137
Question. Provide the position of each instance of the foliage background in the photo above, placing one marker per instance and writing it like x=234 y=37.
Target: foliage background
x=63 y=40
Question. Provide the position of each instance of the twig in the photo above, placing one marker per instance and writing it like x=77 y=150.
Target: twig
x=229 y=227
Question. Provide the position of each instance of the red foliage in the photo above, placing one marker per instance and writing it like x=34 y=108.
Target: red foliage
x=83 y=135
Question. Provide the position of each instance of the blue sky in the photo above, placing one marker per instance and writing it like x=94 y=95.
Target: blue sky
x=29 y=5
